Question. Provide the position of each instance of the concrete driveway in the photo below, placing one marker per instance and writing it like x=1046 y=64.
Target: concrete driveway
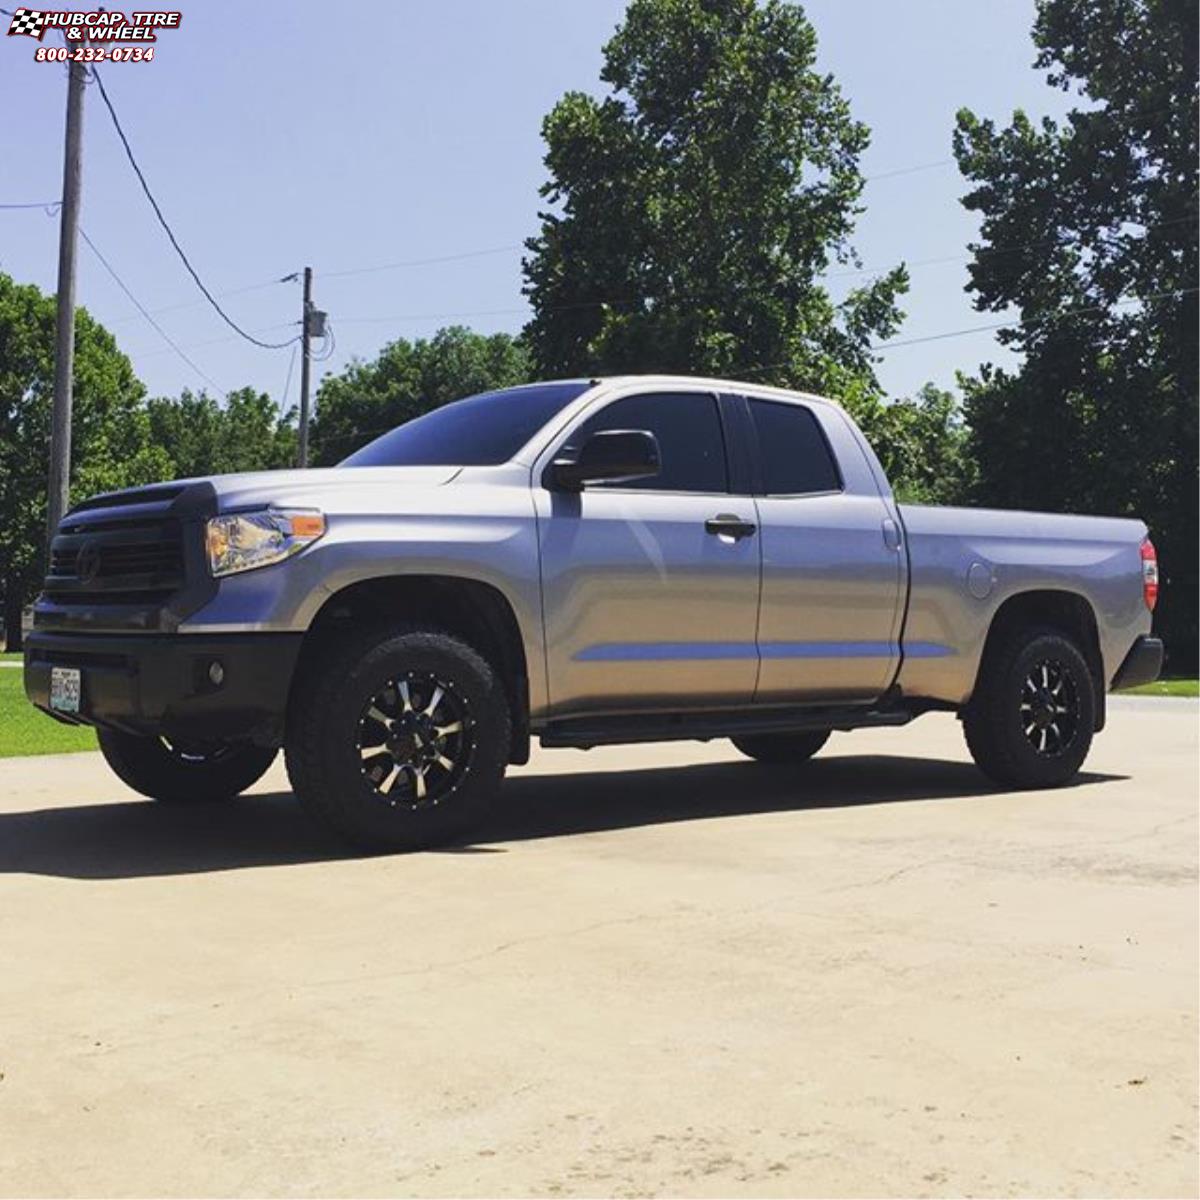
x=661 y=970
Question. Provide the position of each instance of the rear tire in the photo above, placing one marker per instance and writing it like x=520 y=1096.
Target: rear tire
x=1031 y=719
x=397 y=738
x=782 y=747
x=183 y=773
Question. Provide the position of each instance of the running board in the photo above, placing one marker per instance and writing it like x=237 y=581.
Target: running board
x=583 y=733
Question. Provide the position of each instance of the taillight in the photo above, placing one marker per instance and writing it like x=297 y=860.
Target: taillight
x=1149 y=574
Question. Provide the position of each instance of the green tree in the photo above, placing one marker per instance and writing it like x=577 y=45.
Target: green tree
x=923 y=444
x=205 y=437
x=1089 y=232
x=111 y=444
x=408 y=379
x=696 y=206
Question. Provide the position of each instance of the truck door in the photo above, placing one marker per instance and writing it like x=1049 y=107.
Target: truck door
x=833 y=568
x=650 y=587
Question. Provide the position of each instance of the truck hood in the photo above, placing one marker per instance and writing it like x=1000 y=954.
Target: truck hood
x=331 y=488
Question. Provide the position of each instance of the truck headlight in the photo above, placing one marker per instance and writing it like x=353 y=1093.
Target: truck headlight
x=243 y=541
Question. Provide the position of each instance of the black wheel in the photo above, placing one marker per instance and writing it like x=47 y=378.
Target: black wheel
x=1031 y=719
x=397 y=739
x=782 y=747
x=184 y=772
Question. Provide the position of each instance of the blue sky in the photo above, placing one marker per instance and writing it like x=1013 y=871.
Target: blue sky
x=350 y=136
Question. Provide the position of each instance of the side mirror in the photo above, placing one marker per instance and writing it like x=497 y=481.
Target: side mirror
x=610 y=456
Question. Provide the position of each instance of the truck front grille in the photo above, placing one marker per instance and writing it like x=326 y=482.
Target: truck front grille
x=118 y=562
x=130 y=561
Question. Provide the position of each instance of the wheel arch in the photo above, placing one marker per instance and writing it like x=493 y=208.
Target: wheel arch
x=477 y=612
x=1068 y=612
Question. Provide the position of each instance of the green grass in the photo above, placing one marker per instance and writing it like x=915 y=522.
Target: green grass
x=24 y=730
x=1167 y=687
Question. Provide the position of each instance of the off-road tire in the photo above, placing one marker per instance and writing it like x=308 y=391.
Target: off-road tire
x=1003 y=723
x=328 y=727
x=178 y=773
x=782 y=747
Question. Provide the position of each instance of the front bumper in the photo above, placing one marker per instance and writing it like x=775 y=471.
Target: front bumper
x=1142 y=664
x=161 y=685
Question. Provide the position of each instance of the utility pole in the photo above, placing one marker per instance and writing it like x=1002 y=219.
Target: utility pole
x=64 y=329
x=305 y=333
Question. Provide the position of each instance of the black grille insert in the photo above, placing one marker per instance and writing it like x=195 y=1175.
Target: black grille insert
x=117 y=562
x=129 y=561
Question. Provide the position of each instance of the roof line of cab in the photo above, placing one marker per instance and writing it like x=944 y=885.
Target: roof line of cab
x=713 y=382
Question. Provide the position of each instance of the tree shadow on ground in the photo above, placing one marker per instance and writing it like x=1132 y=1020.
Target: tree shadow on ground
x=129 y=839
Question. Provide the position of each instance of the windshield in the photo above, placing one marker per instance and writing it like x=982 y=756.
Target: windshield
x=480 y=431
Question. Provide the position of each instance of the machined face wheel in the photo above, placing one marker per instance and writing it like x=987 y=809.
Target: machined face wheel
x=415 y=740
x=1050 y=708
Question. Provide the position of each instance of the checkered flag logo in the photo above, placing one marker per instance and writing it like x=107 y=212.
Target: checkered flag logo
x=27 y=21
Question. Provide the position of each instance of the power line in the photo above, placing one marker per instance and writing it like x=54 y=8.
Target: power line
x=424 y=262
x=1062 y=122
x=517 y=311
x=494 y=250
x=330 y=345
x=1005 y=248
x=415 y=262
x=450 y=316
x=897 y=342
x=465 y=255
x=890 y=174
x=1042 y=319
x=238 y=291
x=878 y=347
x=1037 y=320
x=686 y=296
x=929 y=166
x=941 y=260
x=112 y=112
x=49 y=208
x=495 y=312
x=460 y=314
x=220 y=341
x=287 y=383
x=138 y=305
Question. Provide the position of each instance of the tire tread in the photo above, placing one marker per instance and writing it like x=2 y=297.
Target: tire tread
x=314 y=779
x=145 y=765
x=985 y=721
x=793 y=748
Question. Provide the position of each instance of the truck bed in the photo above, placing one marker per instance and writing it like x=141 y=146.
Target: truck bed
x=965 y=563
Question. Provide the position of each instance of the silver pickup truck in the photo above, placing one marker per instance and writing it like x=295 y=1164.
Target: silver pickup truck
x=588 y=562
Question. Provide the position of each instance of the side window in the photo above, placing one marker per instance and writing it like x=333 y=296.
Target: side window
x=793 y=451
x=688 y=428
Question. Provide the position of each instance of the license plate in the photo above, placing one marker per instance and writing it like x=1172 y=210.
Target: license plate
x=64 y=689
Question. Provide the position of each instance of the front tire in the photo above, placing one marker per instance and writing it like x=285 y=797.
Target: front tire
x=183 y=772
x=780 y=748
x=1030 y=722
x=397 y=738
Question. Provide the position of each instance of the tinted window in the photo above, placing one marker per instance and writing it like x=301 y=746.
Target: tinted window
x=690 y=444
x=794 y=454
x=479 y=431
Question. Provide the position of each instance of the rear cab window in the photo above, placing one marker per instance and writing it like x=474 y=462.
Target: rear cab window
x=794 y=455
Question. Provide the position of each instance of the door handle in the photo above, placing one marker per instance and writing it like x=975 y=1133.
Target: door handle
x=729 y=525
